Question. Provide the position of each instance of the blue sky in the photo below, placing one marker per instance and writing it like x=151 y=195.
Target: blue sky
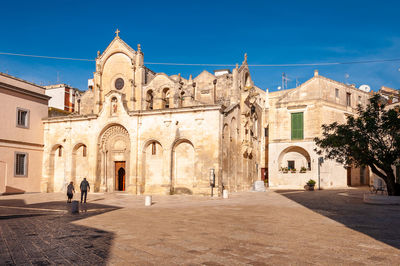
x=209 y=32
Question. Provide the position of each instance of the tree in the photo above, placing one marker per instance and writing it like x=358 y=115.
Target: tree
x=371 y=138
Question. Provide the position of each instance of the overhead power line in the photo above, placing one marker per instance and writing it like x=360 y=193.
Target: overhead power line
x=222 y=65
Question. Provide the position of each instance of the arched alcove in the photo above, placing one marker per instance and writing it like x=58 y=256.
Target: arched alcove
x=57 y=178
x=153 y=167
x=149 y=100
x=80 y=163
x=183 y=167
x=294 y=157
x=165 y=98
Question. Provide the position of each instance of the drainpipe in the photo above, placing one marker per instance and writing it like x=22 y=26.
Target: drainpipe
x=320 y=161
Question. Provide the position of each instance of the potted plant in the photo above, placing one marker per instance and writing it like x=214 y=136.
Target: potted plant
x=311 y=184
x=293 y=170
x=303 y=169
x=285 y=170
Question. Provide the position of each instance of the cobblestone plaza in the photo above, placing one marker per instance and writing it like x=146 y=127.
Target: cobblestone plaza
x=275 y=227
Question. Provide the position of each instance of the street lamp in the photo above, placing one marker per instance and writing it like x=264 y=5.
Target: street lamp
x=320 y=161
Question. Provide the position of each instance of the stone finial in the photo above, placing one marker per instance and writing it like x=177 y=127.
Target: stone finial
x=245 y=57
x=139 y=47
x=190 y=78
x=98 y=54
x=117 y=33
x=316 y=73
x=237 y=65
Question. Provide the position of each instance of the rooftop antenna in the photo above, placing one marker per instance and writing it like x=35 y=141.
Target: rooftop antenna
x=284 y=80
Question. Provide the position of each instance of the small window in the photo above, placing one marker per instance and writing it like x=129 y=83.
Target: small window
x=290 y=165
x=266 y=132
x=22 y=118
x=21 y=164
x=84 y=151
x=337 y=93
x=153 y=148
x=348 y=99
x=60 y=151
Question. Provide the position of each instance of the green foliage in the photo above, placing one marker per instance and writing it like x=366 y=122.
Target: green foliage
x=311 y=183
x=371 y=138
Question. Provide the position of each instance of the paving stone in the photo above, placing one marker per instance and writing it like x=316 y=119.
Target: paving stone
x=247 y=229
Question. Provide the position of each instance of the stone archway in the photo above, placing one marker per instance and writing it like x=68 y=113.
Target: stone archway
x=114 y=146
x=57 y=179
x=296 y=156
x=80 y=163
x=183 y=167
x=153 y=179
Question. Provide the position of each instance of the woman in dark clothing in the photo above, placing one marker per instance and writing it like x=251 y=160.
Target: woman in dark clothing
x=70 y=191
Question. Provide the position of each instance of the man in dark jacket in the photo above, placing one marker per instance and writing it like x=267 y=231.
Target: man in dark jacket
x=85 y=187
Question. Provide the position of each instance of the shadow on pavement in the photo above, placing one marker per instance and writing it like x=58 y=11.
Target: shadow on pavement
x=381 y=222
x=44 y=233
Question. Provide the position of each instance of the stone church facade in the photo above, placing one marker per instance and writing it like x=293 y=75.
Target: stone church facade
x=149 y=133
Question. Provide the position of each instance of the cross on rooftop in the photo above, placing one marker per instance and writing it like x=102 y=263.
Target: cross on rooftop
x=117 y=32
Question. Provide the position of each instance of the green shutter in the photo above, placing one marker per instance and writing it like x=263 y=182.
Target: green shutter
x=297 y=125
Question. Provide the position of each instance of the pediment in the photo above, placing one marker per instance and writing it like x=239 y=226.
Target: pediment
x=205 y=76
x=117 y=45
x=161 y=78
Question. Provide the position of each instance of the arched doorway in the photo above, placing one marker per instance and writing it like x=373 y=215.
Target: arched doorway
x=114 y=154
x=120 y=176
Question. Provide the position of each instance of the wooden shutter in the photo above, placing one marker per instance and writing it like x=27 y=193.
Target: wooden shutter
x=297 y=125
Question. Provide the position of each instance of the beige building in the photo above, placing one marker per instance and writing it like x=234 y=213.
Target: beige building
x=294 y=118
x=146 y=132
x=23 y=105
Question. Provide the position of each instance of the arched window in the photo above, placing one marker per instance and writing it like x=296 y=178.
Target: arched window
x=84 y=151
x=247 y=81
x=165 y=98
x=181 y=99
x=149 y=100
x=153 y=148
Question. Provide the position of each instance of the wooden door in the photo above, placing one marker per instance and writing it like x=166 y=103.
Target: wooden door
x=120 y=176
x=349 y=176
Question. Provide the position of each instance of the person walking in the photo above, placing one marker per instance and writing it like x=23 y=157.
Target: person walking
x=85 y=187
x=70 y=191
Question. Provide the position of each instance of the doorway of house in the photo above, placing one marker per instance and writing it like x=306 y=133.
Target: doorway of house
x=349 y=176
x=120 y=176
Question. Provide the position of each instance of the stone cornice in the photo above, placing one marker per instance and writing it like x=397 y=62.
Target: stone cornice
x=177 y=110
x=24 y=91
x=9 y=141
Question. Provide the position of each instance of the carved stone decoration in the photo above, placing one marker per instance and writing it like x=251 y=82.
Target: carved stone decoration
x=110 y=133
x=114 y=105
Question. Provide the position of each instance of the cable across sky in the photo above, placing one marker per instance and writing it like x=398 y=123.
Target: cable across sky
x=221 y=65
